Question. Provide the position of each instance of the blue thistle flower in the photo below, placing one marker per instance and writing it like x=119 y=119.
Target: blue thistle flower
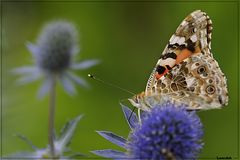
x=166 y=132
x=53 y=54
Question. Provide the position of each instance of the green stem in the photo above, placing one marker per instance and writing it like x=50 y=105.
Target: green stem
x=52 y=103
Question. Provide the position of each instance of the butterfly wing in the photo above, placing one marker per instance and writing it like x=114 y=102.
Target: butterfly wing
x=186 y=71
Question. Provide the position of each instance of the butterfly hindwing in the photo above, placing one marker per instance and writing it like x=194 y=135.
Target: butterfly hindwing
x=198 y=82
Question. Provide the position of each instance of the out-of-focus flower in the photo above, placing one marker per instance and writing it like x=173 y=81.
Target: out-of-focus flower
x=62 y=150
x=53 y=54
x=166 y=132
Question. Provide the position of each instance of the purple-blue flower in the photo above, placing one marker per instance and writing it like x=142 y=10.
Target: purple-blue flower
x=166 y=132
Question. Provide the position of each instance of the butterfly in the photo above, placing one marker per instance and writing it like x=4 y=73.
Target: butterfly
x=186 y=72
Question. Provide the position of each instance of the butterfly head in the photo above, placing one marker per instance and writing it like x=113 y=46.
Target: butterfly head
x=137 y=100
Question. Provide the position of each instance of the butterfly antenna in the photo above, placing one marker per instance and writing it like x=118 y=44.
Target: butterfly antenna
x=110 y=84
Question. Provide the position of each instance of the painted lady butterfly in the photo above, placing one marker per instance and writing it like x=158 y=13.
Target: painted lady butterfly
x=186 y=71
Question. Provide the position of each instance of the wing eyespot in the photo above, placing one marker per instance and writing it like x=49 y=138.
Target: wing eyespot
x=201 y=70
x=210 y=81
x=210 y=89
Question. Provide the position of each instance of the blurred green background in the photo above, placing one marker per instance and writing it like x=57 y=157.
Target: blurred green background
x=128 y=38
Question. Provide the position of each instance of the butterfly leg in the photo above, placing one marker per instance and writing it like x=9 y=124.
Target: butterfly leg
x=139 y=116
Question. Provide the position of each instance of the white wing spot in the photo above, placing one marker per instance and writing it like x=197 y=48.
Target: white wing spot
x=184 y=23
x=169 y=61
x=194 y=38
x=176 y=39
x=181 y=40
x=172 y=39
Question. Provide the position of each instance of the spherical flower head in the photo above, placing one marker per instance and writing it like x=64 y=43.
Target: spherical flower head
x=54 y=54
x=56 y=45
x=167 y=132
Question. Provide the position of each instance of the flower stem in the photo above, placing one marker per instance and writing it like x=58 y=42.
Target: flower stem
x=52 y=103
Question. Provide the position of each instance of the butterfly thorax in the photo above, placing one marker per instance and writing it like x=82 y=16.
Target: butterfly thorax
x=138 y=101
x=145 y=100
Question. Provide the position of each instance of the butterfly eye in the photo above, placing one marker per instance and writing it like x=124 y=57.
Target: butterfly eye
x=201 y=69
x=210 y=89
x=136 y=99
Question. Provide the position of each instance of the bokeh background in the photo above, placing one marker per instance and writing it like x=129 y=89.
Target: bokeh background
x=128 y=38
